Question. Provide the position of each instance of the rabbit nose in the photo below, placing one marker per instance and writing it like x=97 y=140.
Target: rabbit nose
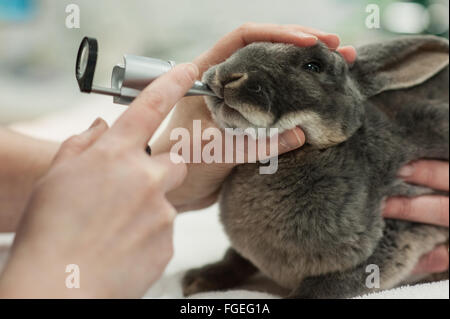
x=234 y=80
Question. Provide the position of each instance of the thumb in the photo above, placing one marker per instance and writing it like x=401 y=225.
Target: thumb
x=285 y=142
x=79 y=143
x=291 y=140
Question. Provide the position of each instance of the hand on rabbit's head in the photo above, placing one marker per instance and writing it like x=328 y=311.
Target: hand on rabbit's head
x=283 y=86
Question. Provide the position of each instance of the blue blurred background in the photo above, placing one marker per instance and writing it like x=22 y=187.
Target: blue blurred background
x=37 y=50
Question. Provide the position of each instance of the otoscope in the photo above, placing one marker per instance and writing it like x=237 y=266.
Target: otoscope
x=127 y=79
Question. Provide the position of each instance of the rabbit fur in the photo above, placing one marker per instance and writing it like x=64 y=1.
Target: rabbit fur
x=315 y=226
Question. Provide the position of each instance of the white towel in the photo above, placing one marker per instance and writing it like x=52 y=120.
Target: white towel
x=199 y=239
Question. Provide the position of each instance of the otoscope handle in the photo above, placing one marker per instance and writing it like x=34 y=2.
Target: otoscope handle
x=137 y=72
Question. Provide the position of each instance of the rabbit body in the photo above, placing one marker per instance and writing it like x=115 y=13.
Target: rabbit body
x=315 y=226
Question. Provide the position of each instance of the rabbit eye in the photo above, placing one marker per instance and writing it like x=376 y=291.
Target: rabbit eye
x=313 y=67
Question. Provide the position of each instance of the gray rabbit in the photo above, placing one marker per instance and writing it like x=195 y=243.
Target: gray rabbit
x=315 y=225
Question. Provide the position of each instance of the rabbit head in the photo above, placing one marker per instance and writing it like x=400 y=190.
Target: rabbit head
x=282 y=86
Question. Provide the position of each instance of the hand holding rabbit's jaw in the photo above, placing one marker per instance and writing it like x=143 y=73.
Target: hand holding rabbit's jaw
x=283 y=86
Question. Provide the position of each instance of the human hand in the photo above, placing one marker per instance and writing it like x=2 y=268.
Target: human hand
x=425 y=209
x=203 y=182
x=102 y=206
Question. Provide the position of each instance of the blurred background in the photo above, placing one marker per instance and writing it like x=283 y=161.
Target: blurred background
x=38 y=51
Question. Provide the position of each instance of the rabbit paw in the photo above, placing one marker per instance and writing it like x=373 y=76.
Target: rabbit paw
x=198 y=280
x=225 y=274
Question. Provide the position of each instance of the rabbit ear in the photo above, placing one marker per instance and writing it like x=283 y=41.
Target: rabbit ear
x=399 y=63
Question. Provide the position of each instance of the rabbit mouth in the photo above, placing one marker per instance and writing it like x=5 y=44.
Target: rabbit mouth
x=231 y=107
x=238 y=115
x=225 y=115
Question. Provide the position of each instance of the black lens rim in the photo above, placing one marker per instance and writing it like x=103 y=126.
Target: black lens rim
x=85 y=81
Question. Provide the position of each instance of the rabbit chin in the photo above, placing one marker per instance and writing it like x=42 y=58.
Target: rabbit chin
x=319 y=132
x=242 y=116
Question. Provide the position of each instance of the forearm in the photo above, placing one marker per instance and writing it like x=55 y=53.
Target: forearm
x=22 y=161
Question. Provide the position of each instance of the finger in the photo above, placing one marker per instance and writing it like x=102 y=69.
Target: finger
x=348 y=53
x=174 y=170
x=249 y=33
x=138 y=123
x=247 y=149
x=331 y=40
x=197 y=205
x=291 y=140
x=433 y=262
x=286 y=142
x=78 y=143
x=434 y=174
x=424 y=209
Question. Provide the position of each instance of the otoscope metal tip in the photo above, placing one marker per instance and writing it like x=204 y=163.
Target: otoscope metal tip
x=105 y=91
x=200 y=88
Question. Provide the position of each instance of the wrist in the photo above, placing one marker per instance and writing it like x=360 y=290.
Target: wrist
x=29 y=276
x=24 y=160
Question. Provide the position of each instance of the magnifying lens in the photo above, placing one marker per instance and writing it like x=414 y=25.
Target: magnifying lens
x=127 y=79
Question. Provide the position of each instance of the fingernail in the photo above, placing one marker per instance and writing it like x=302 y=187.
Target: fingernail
x=333 y=41
x=406 y=171
x=193 y=70
x=300 y=141
x=291 y=139
x=305 y=35
x=95 y=123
